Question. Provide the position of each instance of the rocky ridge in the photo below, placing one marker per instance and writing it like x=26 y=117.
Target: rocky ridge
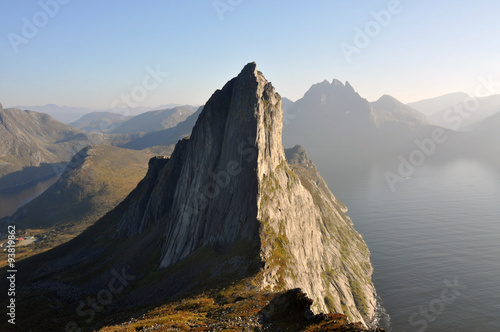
x=239 y=132
x=225 y=206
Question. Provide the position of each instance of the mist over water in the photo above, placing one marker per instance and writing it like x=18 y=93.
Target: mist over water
x=12 y=199
x=434 y=241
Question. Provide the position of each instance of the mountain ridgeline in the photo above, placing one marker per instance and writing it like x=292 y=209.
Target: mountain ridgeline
x=228 y=204
x=35 y=146
x=95 y=181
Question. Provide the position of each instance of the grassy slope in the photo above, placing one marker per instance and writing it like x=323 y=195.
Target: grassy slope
x=82 y=196
x=30 y=142
x=233 y=308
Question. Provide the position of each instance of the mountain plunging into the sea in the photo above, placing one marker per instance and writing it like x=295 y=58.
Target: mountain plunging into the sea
x=229 y=204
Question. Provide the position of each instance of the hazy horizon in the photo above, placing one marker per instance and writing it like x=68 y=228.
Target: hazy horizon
x=91 y=54
x=171 y=103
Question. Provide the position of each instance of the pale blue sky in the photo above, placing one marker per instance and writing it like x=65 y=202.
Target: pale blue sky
x=93 y=51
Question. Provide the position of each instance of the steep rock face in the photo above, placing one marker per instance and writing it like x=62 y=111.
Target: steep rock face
x=225 y=206
x=342 y=259
x=231 y=186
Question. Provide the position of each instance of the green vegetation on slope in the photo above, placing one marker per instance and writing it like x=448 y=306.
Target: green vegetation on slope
x=96 y=180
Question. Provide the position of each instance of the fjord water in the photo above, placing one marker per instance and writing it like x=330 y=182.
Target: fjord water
x=12 y=199
x=435 y=241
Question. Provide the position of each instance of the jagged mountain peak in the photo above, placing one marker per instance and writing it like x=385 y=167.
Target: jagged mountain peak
x=337 y=83
x=327 y=92
x=227 y=205
x=230 y=189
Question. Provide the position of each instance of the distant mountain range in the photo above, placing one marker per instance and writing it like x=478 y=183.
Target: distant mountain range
x=104 y=122
x=117 y=123
x=328 y=112
x=68 y=114
x=166 y=136
x=94 y=182
x=35 y=146
x=458 y=111
x=155 y=120
x=186 y=213
x=332 y=118
x=230 y=206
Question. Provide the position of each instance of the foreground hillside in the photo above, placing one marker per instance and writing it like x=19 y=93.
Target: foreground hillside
x=93 y=183
x=237 y=307
x=228 y=205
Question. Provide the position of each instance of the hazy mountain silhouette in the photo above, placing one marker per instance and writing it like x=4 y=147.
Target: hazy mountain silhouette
x=104 y=122
x=64 y=114
x=458 y=111
x=333 y=118
x=228 y=206
x=30 y=140
x=432 y=105
x=155 y=120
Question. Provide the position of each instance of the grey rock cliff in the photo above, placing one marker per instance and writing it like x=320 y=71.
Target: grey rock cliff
x=227 y=205
x=231 y=186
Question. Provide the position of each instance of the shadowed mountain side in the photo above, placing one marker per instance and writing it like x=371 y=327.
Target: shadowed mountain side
x=227 y=205
x=29 y=139
x=94 y=182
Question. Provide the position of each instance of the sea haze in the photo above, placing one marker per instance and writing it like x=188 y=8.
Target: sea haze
x=439 y=227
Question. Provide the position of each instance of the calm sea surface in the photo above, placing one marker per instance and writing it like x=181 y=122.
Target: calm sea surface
x=435 y=242
x=15 y=198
